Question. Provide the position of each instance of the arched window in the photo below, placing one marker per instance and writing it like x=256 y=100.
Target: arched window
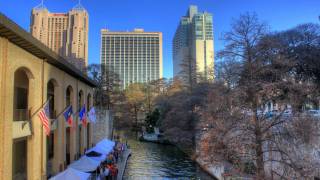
x=51 y=87
x=89 y=102
x=51 y=98
x=21 y=90
x=88 y=126
x=81 y=99
x=80 y=104
x=69 y=95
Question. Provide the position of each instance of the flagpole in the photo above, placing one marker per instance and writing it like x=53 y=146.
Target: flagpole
x=36 y=112
x=64 y=110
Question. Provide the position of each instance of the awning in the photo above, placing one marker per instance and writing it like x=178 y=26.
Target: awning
x=106 y=143
x=98 y=158
x=85 y=164
x=71 y=173
x=89 y=164
x=103 y=151
x=104 y=147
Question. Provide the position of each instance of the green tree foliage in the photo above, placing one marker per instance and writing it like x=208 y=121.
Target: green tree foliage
x=135 y=98
x=152 y=120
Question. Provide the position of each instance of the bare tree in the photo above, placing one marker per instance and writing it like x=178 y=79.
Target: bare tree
x=303 y=43
x=108 y=85
x=242 y=132
x=241 y=45
x=228 y=71
x=188 y=72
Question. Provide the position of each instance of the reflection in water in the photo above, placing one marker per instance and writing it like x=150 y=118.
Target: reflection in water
x=155 y=161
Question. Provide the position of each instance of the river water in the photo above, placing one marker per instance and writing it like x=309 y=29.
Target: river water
x=156 y=161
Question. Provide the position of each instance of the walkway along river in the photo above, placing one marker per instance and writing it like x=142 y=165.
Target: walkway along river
x=156 y=161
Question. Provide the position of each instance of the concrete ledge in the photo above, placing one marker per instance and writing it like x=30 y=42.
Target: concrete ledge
x=207 y=169
x=122 y=163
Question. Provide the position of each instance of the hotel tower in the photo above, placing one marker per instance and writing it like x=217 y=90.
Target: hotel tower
x=134 y=56
x=64 y=33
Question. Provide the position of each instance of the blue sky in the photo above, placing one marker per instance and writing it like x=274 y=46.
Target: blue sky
x=164 y=15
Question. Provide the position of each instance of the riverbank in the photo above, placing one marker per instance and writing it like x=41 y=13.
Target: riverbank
x=210 y=170
x=215 y=171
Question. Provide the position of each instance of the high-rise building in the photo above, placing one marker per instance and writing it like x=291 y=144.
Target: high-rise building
x=193 y=49
x=134 y=56
x=64 y=33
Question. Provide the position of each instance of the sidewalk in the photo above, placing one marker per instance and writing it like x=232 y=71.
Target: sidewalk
x=122 y=163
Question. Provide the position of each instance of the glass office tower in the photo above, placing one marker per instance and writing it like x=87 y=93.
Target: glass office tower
x=193 y=49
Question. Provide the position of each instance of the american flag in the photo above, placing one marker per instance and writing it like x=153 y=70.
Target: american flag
x=43 y=115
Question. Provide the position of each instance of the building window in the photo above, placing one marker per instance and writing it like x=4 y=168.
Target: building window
x=50 y=96
x=21 y=87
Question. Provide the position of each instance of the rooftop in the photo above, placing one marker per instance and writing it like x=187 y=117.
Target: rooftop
x=135 y=31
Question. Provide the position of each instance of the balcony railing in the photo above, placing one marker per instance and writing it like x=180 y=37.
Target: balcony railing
x=21 y=125
x=54 y=124
x=53 y=120
x=21 y=129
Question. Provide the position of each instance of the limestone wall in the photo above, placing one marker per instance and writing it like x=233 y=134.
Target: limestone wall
x=39 y=72
x=104 y=125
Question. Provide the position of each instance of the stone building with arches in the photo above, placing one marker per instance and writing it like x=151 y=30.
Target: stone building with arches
x=30 y=74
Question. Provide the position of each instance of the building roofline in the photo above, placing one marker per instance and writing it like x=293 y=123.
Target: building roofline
x=17 y=35
x=130 y=32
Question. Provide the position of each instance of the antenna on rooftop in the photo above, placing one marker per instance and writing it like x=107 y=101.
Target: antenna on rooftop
x=41 y=5
x=79 y=6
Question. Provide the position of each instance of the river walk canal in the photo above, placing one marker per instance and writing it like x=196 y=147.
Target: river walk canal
x=156 y=161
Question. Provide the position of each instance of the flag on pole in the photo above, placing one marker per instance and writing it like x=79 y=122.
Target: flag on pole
x=92 y=115
x=43 y=115
x=68 y=115
x=82 y=115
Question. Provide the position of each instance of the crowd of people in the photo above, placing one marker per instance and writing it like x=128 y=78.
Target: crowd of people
x=108 y=169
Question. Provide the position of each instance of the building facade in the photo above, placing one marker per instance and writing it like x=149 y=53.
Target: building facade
x=193 y=48
x=134 y=56
x=31 y=74
x=64 y=33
